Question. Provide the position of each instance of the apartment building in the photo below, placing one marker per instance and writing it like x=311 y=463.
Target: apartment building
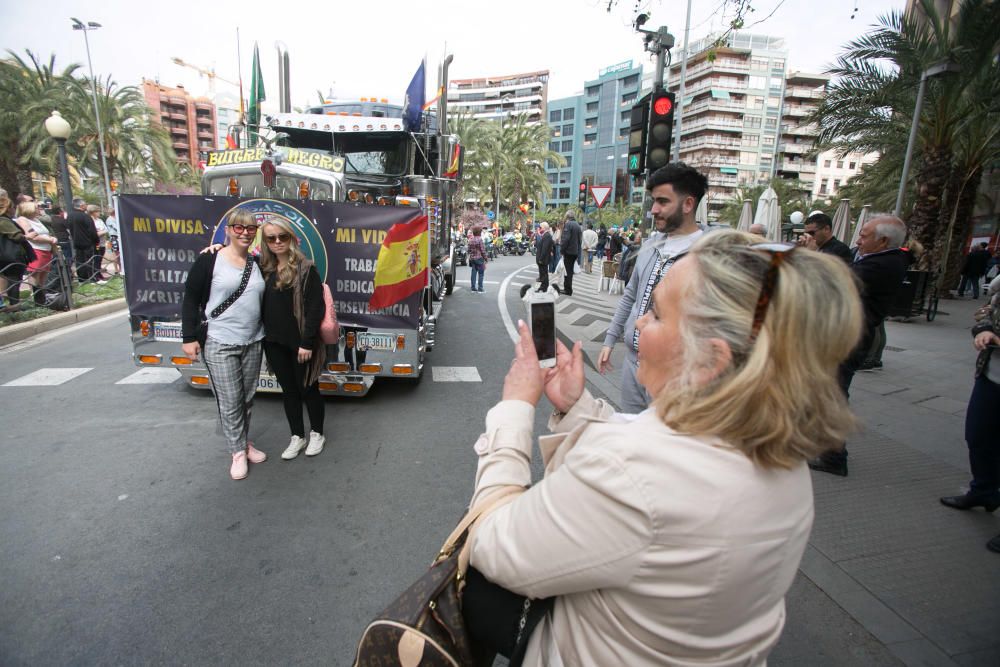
x=803 y=94
x=834 y=170
x=591 y=133
x=495 y=97
x=190 y=121
x=732 y=108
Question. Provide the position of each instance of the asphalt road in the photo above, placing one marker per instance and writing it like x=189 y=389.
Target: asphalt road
x=123 y=540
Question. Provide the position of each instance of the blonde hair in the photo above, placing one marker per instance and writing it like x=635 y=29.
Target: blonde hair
x=27 y=209
x=286 y=274
x=778 y=400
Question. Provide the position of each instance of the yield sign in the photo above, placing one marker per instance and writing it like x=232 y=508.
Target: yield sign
x=600 y=194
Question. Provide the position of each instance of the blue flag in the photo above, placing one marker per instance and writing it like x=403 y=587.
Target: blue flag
x=413 y=103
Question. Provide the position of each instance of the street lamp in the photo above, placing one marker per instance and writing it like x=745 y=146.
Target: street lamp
x=87 y=27
x=944 y=67
x=59 y=130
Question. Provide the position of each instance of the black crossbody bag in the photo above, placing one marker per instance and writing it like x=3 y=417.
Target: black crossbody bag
x=230 y=300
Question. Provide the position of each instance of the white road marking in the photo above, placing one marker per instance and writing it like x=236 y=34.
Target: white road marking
x=456 y=374
x=45 y=377
x=151 y=376
x=502 y=304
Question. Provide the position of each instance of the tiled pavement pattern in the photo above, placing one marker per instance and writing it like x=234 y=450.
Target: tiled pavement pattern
x=915 y=574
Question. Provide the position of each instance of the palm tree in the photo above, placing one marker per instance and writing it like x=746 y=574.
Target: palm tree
x=526 y=149
x=870 y=106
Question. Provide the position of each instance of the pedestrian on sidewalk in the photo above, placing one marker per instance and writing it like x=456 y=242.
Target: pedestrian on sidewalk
x=672 y=537
x=556 y=236
x=222 y=322
x=544 y=249
x=85 y=239
x=982 y=423
x=42 y=242
x=569 y=243
x=974 y=269
x=477 y=258
x=880 y=268
x=589 y=245
x=102 y=238
x=676 y=190
x=292 y=311
x=11 y=266
x=602 y=241
x=818 y=235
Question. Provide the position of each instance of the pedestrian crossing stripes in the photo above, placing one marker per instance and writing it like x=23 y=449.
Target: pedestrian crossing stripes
x=47 y=377
x=51 y=377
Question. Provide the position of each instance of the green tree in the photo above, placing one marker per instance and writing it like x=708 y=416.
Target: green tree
x=870 y=106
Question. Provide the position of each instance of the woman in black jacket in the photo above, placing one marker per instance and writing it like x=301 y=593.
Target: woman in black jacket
x=225 y=290
x=293 y=309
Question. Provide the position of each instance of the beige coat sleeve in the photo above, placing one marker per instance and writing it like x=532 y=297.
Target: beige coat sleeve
x=584 y=526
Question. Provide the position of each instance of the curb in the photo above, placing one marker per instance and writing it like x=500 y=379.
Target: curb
x=15 y=333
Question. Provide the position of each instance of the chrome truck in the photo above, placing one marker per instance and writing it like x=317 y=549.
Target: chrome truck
x=343 y=180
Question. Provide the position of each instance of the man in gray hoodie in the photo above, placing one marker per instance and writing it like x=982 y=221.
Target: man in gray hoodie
x=676 y=190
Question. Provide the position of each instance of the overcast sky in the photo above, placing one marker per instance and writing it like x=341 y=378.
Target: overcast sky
x=372 y=48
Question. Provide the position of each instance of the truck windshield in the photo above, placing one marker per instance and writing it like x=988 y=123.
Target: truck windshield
x=370 y=153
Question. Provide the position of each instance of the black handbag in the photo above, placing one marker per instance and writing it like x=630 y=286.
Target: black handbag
x=453 y=615
x=11 y=252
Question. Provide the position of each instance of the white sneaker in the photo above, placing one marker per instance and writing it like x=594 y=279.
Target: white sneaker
x=316 y=442
x=294 y=447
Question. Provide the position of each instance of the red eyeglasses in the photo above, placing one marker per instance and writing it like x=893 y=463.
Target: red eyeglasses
x=778 y=251
x=239 y=229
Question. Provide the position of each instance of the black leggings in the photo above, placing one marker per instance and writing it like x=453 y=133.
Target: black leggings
x=290 y=373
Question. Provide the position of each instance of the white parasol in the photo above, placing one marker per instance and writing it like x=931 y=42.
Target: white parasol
x=866 y=212
x=746 y=216
x=842 y=219
x=769 y=214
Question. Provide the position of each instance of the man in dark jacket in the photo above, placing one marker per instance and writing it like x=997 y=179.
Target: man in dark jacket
x=974 y=269
x=85 y=239
x=569 y=244
x=880 y=268
x=544 y=248
x=818 y=235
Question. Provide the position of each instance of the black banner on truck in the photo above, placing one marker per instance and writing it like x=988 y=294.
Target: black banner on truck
x=162 y=235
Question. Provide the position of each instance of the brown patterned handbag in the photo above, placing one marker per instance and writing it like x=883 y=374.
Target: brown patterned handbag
x=424 y=626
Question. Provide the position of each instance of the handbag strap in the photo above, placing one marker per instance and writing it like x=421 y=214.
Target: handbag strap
x=231 y=299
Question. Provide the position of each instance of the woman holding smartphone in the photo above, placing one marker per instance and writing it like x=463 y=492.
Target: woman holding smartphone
x=224 y=291
x=293 y=310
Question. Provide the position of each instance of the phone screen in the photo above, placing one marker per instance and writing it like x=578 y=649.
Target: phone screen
x=543 y=329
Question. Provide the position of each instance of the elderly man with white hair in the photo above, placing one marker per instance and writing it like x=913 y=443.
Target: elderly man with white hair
x=544 y=249
x=880 y=268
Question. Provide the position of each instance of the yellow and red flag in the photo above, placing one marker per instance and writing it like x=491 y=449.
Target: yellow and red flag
x=452 y=171
x=401 y=268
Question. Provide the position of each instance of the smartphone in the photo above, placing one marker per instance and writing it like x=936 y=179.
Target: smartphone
x=542 y=322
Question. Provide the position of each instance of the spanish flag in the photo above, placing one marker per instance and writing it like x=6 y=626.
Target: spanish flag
x=452 y=171
x=402 y=263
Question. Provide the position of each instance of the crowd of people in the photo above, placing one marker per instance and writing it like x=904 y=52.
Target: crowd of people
x=37 y=237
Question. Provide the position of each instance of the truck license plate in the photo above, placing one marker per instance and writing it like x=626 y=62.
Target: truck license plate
x=376 y=341
x=167 y=331
x=268 y=383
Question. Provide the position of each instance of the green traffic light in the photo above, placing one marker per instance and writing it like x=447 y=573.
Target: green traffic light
x=633 y=162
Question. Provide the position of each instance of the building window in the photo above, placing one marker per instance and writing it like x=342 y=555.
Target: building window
x=568 y=114
x=555 y=116
x=630 y=81
x=553 y=145
x=778 y=63
x=563 y=193
x=567 y=146
x=822 y=188
x=592 y=106
x=771 y=123
x=836 y=184
x=623 y=133
x=751 y=139
x=554 y=132
x=840 y=164
x=567 y=130
x=758 y=63
x=628 y=98
x=853 y=164
x=552 y=179
x=751 y=122
x=593 y=91
x=569 y=160
x=627 y=116
x=564 y=177
x=768 y=140
x=588 y=139
x=757 y=82
x=826 y=164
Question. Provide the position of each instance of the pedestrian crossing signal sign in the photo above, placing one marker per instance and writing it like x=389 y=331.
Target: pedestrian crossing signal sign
x=633 y=163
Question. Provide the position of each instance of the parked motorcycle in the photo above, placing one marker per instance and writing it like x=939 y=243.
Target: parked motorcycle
x=461 y=253
x=510 y=245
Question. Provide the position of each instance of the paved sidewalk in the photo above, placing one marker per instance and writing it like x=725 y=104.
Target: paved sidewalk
x=913 y=573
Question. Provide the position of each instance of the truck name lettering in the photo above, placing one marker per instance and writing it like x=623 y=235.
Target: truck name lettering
x=373 y=236
x=158 y=296
x=356 y=286
x=346 y=235
x=361 y=308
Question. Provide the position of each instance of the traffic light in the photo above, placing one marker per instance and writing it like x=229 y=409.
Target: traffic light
x=661 y=127
x=638 y=128
x=582 y=198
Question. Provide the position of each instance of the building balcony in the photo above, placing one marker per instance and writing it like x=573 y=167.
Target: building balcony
x=179 y=129
x=207 y=106
x=710 y=142
x=206 y=134
x=177 y=144
x=803 y=93
x=712 y=104
x=176 y=115
x=797 y=149
x=797 y=111
x=179 y=101
x=723 y=181
x=708 y=123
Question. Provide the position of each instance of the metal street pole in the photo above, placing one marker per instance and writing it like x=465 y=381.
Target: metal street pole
x=64 y=176
x=680 y=91
x=91 y=25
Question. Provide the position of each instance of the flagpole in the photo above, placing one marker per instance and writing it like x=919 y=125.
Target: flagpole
x=239 y=69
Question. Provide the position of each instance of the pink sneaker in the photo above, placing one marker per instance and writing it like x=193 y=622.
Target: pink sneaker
x=239 y=468
x=254 y=455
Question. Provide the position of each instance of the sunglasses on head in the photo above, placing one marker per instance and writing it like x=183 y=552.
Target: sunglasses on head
x=244 y=229
x=281 y=237
x=778 y=251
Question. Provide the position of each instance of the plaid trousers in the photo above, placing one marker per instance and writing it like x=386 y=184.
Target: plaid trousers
x=234 y=370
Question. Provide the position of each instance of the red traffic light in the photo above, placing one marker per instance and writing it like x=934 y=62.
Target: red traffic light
x=583 y=186
x=663 y=106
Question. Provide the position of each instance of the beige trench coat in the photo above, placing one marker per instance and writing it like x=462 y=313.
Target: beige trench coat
x=663 y=549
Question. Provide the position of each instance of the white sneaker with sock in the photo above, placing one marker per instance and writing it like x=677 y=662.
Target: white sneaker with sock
x=294 y=447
